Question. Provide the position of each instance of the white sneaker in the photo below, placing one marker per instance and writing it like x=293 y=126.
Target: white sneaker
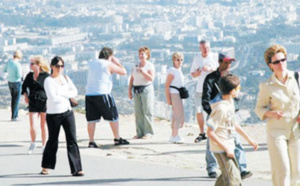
x=31 y=148
x=177 y=139
x=43 y=148
x=171 y=139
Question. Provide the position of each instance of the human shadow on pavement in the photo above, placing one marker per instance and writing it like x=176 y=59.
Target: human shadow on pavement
x=261 y=147
x=32 y=175
x=10 y=145
x=22 y=154
x=123 y=180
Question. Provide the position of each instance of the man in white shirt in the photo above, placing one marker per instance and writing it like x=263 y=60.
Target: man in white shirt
x=202 y=65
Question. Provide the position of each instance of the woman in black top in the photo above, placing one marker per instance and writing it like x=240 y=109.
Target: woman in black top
x=35 y=97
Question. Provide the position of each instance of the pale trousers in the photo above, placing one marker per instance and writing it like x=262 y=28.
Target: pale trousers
x=143 y=110
x=229 y=167
x=284 y=155
x=178 y=111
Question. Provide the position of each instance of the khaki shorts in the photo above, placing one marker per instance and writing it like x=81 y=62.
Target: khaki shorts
x=198 y=102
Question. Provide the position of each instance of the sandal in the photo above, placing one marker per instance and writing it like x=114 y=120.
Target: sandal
x=121 y=142
x=79 y=173
x=44 y=172
x=200 y=138
x=147 y=136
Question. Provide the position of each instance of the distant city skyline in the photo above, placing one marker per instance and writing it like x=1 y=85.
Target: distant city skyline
x=77 y=30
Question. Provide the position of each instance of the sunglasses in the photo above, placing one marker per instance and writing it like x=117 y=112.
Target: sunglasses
x=278 y=61
x=179 y=60
x=59 y=66
x=32 y=64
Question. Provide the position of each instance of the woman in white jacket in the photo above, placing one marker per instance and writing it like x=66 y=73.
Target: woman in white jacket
x=59 y=89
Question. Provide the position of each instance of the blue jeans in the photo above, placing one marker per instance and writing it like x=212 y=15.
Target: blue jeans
x=15 y=91
x=239 y=152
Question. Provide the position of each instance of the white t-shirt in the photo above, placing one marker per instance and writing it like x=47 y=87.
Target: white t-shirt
x=222 y=121
x=58 y=94
x=99 y=78
x=138 y=78
x=211 y=60
x=178 y=80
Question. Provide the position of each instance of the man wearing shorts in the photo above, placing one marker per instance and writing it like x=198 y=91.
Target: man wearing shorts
x=99 y=101
x=202 y=65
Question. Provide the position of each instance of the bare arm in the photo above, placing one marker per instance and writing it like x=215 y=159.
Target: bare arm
x=196 y=73
x=241 y=131
x=212 y=135
x=130 y=87
x=26 y=98
x=117 y=67
x=169 y=80
x=148 y=75
x=195 y=69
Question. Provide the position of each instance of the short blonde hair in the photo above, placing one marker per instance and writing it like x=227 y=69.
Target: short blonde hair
x=42 y=63
x=146 y=50
x=272 y=51
x=18 y=54
x=177 y=55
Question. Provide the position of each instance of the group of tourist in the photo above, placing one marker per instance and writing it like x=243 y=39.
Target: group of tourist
x=48 y=96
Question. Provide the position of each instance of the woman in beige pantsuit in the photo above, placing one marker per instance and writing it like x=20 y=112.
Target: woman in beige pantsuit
x=278 y=101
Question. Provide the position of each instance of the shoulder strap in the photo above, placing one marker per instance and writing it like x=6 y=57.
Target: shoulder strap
x=66 y=78
x=174 y=87
x=296 y=74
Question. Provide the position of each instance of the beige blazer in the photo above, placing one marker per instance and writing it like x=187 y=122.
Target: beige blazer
x=275 y=96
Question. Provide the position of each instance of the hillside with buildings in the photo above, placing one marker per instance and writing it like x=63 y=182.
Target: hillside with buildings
x=77 y=30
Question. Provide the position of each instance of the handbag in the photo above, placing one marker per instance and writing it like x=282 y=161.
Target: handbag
x=183 y=92
x=73 y=101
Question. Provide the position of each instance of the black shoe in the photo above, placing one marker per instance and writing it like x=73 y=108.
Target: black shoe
x=200 y=138
x=121 y=142
x=93 y=145
x=246 y=174
x=212 y=174
x=79 y=173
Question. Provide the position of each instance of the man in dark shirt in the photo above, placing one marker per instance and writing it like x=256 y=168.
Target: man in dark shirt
x=210 y=91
